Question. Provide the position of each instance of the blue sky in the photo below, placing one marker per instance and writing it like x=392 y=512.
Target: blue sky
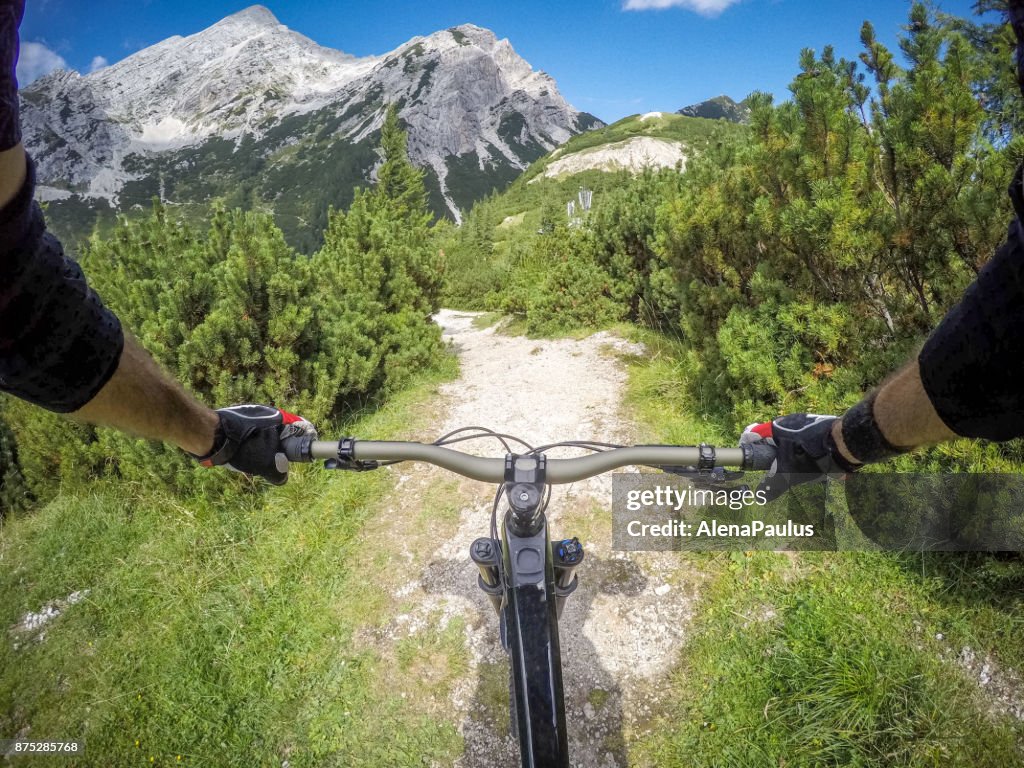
x=610 y=57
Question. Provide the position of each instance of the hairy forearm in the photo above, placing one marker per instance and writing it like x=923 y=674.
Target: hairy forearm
x=904 y=414
x=142 y=399
x=12 y=173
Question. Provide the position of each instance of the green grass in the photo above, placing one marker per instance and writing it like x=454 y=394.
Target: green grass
x=658 y=392
x=491 y=705
x=829 y=659
x=224 y=634
x=487 y=320
x=833 y=662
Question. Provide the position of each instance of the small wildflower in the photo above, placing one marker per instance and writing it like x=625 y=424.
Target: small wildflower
x=136 y=742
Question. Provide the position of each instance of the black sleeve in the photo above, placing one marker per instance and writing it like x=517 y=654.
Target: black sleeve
x=972 y=366
x=11 y=12
x=58 y=343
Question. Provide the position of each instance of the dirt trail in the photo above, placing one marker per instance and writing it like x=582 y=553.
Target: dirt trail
x=623 y=627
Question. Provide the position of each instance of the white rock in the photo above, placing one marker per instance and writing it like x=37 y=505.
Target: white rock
x=632 y=155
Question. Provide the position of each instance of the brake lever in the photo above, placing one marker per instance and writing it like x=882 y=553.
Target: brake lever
x=347 y=460
x=711 y=478
x=351 y=466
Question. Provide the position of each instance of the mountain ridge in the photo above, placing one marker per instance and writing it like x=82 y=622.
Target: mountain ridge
x=476 y=113
x=719 y=108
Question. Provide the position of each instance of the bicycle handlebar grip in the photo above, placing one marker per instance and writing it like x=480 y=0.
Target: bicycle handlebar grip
x=297 y=448
x=758 y=456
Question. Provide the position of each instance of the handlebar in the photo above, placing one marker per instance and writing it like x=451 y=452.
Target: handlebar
x=360 y=454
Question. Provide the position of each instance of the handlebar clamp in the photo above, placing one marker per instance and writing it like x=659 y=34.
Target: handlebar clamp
x=706 y=461
x=347 y=458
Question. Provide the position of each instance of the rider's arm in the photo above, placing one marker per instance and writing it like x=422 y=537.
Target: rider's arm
x=143 y=400
x=968 y=380
x=904 y=414
x=971 y=366
x=62 y=349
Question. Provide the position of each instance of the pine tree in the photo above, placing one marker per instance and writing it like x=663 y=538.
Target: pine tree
x=398 y=181
x=380 y=272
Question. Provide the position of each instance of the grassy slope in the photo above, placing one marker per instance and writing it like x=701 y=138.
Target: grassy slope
x=220 y=635
x=229 y=635
x=831 y=658
x=695 y=132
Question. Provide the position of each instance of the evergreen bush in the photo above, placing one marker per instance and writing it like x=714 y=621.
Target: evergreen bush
x=237 y=316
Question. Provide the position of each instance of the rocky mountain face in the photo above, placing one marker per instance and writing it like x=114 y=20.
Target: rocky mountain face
x=719 y=108
x=263 y=116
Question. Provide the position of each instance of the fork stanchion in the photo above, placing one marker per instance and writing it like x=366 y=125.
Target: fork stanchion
x=486 y=553
x=566 y=555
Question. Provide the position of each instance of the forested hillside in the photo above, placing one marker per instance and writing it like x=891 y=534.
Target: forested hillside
x=257 y=114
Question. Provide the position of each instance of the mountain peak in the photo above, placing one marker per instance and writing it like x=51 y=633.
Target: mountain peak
x=719 y=108
x=474 y=31
x=258 y=14
x=460 y=36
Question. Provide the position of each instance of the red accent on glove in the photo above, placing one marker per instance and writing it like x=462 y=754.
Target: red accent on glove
x=764 y=430
x=289 y=418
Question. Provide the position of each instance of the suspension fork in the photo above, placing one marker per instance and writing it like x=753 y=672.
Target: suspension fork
x=524 y=476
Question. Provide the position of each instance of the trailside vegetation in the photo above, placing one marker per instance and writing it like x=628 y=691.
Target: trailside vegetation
x=805 y=258
x=236 y=315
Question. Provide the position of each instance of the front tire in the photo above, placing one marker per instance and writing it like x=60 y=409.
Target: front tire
x=538 y=711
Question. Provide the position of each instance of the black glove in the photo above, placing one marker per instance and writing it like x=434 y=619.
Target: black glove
x=805 y=449
x=248 y=439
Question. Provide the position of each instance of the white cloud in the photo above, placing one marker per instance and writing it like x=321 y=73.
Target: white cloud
x=703 y=7
x=36 y=60
x=98 y=62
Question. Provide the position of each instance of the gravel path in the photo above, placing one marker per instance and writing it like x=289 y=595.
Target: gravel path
x=624 y=626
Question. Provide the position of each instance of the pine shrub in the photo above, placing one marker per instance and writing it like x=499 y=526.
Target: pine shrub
x=237 y=316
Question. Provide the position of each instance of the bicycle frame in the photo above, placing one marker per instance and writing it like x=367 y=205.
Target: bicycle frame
x=530 y=612
x=531 y=629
